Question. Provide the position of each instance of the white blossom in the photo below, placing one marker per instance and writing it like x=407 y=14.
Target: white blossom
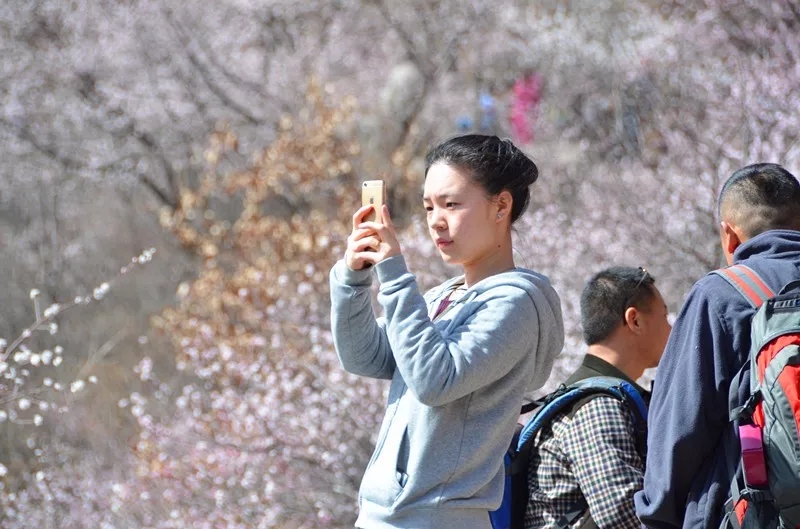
x=47 y=356
x=101 y=291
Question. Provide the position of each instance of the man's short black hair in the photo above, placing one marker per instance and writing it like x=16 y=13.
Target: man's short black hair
x=606 y=297
x=761 y=197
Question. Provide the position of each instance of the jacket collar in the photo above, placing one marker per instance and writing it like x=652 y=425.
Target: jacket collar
x=770 y=243
x=594 y=366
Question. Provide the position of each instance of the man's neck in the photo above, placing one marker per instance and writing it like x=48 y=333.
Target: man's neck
x=628 y=364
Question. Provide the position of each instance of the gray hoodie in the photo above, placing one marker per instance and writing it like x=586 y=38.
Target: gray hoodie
x=457 y=386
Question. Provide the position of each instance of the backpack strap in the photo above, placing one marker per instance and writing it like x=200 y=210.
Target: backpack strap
x=565 y=396
x=745 y=411
x=628 y=395
x=569 y=398
x=749 y=284
x=788 y=287
x=752 y=288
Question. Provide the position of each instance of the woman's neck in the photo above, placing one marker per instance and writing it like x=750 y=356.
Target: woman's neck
x=500 y=260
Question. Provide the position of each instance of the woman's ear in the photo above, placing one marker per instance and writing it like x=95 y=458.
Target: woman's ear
x=504 y=201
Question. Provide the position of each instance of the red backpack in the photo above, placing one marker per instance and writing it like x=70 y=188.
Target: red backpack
x=765 y=492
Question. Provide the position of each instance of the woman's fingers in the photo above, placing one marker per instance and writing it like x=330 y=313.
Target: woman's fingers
x=373 y=227
x=385 y=231
x=378 y=227
x=367 y=258
x=358 y=216
x=361 y=245
x=387 y=219
x=360 y=233
x=371 y=242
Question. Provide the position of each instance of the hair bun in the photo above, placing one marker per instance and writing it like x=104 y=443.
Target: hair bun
x=495 y=164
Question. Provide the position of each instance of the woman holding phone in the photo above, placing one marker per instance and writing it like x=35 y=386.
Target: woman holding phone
x=462 y=356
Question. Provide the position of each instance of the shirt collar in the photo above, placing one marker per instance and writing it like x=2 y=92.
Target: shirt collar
x=603 y=368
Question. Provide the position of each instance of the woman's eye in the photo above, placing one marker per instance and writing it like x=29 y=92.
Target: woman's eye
x=451 y=204
x=428 y=208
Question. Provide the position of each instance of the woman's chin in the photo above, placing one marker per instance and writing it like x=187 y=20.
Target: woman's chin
x=449 y=259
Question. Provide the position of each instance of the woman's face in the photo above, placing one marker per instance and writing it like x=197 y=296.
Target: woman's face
x=462 y=220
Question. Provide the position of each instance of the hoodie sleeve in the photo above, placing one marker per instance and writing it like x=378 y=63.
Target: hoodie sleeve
x=359 y=339
x=496 y=336
x=688 y=410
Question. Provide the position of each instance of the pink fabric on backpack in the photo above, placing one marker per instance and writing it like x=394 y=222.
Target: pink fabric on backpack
x=753 y=464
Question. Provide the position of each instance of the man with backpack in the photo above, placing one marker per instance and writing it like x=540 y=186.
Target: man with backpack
x=587 y=461
x=703 y=400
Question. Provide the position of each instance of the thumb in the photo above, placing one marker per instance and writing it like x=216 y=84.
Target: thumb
x=387 y=219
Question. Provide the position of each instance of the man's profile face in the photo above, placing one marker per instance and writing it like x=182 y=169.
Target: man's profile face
x=658 y=327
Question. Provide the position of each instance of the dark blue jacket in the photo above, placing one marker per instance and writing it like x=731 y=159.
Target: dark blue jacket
x=690 y=444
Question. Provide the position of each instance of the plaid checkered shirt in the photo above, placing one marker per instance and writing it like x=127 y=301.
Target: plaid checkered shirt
x=591 y=454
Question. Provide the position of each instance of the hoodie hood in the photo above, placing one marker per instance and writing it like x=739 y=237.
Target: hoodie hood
x=545 y=299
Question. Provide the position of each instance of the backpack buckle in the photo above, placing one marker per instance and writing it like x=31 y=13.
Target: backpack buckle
x=746 y=410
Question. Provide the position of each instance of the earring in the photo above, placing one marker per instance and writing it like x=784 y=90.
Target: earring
x=499 y=215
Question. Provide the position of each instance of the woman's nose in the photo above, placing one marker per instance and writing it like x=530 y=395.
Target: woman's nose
x=436 y=221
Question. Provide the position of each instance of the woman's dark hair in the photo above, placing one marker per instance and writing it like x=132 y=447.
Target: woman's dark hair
x=494 y=164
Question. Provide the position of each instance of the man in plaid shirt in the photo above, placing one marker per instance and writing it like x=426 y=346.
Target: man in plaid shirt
x=587 y=463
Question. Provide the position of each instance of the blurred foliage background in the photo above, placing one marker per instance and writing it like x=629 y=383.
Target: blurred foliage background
x=202 y=390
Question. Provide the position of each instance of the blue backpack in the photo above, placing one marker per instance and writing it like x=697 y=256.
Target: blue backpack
x=511 y=514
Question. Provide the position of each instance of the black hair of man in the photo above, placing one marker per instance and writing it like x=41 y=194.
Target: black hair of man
x=761 y=197
x=606 y=297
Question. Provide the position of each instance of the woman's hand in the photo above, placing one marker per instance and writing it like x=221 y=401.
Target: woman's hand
x=371 y=242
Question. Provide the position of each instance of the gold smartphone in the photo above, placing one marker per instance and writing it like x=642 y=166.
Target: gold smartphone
x=373 y=193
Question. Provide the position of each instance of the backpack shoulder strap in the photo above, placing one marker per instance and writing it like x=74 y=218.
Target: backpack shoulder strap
x=617 y=387
x=788 y=287
x=579 y=393
x=750 y=285
x=747 y=282
x=569 y=398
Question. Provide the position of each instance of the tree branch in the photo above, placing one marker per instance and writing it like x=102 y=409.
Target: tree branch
x=24 y=134
x=89 y=92
x=205 y=74
x=408 y=44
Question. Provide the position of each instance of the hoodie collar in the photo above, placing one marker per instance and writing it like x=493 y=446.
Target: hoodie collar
x=772 y=243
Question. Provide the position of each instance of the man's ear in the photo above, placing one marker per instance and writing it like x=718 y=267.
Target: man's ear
x=730 y=239
x=632 y=322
